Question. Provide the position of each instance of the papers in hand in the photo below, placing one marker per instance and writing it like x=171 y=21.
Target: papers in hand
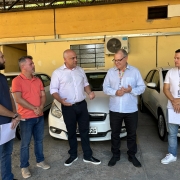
x=173 y=117
x=6 y=133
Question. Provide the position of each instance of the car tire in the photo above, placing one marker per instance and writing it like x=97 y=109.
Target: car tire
x=162 y=130
x=18 y=134
x=142 y=106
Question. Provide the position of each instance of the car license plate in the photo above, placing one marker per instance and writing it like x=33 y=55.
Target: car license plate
x=92 y=130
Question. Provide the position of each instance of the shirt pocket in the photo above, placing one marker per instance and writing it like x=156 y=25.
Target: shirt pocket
x=130 y=81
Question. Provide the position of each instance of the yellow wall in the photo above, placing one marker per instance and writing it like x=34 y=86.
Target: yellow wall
x=12 y=55
x=166 y=49
x=48 y=56
x=110 y=20
x=27 y=23
x=82 y=20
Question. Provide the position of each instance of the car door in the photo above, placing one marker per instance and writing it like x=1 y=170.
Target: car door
x=46 y=83
x=145 y=95
x=154 y=94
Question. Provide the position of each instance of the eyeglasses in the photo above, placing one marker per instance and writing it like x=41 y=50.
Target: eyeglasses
x=118 y=60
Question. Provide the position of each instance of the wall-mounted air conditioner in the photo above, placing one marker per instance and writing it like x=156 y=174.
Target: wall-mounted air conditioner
x=112 y=44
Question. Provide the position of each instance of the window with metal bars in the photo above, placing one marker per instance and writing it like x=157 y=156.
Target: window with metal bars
x=89 y=55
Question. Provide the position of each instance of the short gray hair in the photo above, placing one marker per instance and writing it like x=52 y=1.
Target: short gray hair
x=122 y=51
x=23 y=59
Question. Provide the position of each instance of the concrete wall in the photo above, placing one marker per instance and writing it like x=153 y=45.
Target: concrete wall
x=87 y=19
x=90 y=21
x=143 y=54
x=12 y=54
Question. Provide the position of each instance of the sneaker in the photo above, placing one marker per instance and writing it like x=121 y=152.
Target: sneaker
x=25 y=172
x=92 y=160
x=168 y=159
x=70 y=160
x=43 y=165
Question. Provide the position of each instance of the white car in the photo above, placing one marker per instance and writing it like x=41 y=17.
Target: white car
x=155 y=100
x=98 y=109
x=46 y=82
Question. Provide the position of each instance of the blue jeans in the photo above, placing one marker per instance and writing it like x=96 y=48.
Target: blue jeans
x=31 y=127
x=5 y=159
x=172 y=139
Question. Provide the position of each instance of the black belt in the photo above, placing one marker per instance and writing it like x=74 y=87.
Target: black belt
x=78 y=103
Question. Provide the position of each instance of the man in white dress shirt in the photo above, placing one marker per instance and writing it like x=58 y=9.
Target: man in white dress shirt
x=123 y=83
x=172 y=91
x=68 y=84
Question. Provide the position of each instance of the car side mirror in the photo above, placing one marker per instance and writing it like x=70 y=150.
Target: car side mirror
x=151 y=85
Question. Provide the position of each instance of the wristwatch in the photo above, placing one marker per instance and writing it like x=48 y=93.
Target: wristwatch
x=15 y=116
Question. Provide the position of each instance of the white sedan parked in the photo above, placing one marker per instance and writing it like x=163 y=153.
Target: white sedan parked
x=155 y=100
x=98 y=109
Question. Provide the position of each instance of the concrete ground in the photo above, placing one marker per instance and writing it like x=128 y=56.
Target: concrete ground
x=150 y=151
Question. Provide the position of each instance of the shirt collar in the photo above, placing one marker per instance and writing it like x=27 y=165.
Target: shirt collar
x=65 y=67
x=24 y=77
x=128 y=67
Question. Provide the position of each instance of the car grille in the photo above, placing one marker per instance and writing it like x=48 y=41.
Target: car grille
x=97 y=116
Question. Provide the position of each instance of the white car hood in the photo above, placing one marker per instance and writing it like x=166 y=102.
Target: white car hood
x=99 y=104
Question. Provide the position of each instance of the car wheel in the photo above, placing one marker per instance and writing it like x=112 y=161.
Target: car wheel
x=18 y=134
x=162 y=131
x=142 y=106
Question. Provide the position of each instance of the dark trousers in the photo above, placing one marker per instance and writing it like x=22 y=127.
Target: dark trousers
x=130 y=120
x=77 y=114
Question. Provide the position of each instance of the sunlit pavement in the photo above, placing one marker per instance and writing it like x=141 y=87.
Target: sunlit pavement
x=150 y=151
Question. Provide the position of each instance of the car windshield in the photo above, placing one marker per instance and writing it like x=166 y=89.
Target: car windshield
x=164 y=74
x=96 y=80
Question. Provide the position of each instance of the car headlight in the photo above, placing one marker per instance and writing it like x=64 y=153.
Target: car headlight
x=55 y=111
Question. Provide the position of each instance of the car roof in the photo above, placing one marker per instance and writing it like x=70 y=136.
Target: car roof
x=17 y=73
x=166 y=68
x=95 y=70
x=163 y=68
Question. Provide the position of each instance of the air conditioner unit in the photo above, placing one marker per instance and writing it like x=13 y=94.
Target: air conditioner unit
x=113 y=44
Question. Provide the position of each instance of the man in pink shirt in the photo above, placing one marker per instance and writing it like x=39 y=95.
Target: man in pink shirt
x=30 y=96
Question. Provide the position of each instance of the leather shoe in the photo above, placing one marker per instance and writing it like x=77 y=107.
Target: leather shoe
x=92 y=160
x=134 y=161
x=113 y=161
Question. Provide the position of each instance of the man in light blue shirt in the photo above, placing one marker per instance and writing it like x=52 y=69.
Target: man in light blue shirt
x=123 y=83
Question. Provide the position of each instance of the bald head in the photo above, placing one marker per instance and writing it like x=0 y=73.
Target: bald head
x=70 y=58
x=67 y=52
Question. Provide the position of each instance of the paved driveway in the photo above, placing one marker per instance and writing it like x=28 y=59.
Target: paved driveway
x=150 y=151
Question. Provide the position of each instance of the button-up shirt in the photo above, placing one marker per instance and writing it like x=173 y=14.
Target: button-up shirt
x=128 y=102
x=69 y=83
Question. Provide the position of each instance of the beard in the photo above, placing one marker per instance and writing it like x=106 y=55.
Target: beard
x=2 y=66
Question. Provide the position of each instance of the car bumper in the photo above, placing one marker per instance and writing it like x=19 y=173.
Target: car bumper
x=57 y=129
